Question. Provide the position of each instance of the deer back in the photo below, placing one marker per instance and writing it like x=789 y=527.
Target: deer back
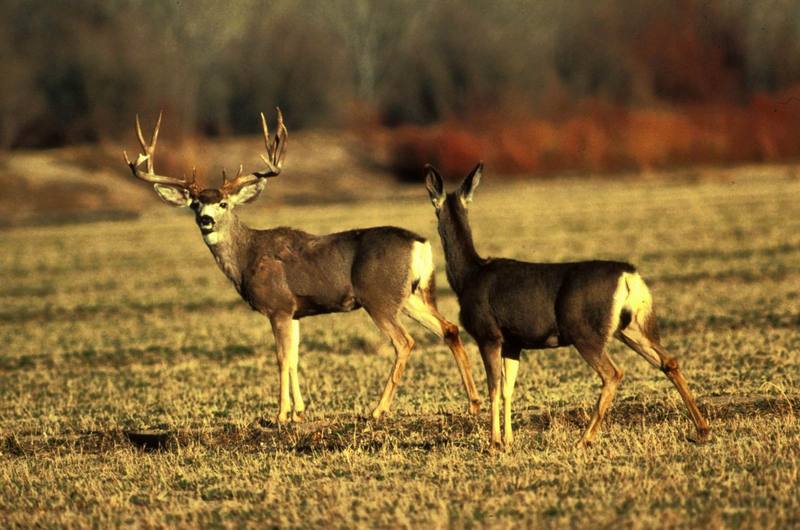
x=294 y=272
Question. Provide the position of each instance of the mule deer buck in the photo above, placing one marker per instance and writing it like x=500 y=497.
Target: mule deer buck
x=508 y=305
x=288 y=274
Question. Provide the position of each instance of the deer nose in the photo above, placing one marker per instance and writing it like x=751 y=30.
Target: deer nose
x=206 y=220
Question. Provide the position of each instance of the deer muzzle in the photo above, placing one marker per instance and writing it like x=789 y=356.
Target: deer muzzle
x=206 y=223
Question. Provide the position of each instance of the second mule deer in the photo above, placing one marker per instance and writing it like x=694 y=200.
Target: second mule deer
x=508 y=305
x=288 y=274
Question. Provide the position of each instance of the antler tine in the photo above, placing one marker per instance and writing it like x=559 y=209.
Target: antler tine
x=280 y=138
x=139 y=134
x=236 y=181
x=265 y=130
x=154 y=138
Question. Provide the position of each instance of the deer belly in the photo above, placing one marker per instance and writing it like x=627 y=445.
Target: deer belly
x=551 y=341
x=533 y=334
x=539 y=342
x=312 y=305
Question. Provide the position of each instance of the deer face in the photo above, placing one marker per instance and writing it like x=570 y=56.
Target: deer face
x=212 y=207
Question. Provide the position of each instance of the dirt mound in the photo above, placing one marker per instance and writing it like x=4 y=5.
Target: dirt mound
x=91 y=182
x=66 y=185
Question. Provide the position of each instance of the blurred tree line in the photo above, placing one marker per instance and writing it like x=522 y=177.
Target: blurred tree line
x=76 y=71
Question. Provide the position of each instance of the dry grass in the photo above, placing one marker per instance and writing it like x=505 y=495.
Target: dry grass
x=114 y=328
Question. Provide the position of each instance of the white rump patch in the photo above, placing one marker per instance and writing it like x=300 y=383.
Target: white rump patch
x=631 y=294
x=421 y=263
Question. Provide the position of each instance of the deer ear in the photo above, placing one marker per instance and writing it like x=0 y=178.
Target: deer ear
x=248 y=193
x=173 y=195
x=435 y=186
x=470 y=183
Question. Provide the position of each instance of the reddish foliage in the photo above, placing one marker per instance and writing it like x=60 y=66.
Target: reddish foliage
x=453 y=149
x=600 y=137
x=690 y=54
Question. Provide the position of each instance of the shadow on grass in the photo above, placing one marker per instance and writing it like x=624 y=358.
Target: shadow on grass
x=421 y=432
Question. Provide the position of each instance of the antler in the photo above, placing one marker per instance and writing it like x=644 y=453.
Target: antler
x=274 y=159
x=231 y=186
x=146 y=155
x=275 y=148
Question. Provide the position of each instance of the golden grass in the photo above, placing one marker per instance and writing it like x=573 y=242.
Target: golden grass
x=119 y=327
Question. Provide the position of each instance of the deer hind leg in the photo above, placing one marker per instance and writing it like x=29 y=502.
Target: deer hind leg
x=420 y=307
x=610 y=374
x=490 y=353
x=403 y=344
x=298 y=405
x=282 y=330
x=648 y=346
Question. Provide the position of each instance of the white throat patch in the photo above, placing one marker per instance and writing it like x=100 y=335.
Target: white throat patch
x=212 y=238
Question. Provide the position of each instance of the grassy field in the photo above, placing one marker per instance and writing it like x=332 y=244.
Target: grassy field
x=114 y=327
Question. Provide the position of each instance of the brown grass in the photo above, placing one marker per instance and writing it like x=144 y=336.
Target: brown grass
x=115 y=333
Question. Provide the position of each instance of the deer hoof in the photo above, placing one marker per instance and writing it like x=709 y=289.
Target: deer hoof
x=700 y=437
x=475 y=408
x=299 y=416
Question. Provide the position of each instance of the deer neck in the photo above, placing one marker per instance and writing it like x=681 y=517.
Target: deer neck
x=230 y=246
x=459 y=250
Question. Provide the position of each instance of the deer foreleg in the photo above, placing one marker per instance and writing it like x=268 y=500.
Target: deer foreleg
x=299 y=406
x=510 y=367
x=490 y=353
x=282 y=330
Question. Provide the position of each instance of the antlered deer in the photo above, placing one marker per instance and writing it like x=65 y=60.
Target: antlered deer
x=288 y=274
x=508 y=305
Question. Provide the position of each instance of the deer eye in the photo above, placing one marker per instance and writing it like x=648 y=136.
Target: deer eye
x=223 y=205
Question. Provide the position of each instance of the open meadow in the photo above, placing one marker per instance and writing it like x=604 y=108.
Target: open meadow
x=113 y=327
